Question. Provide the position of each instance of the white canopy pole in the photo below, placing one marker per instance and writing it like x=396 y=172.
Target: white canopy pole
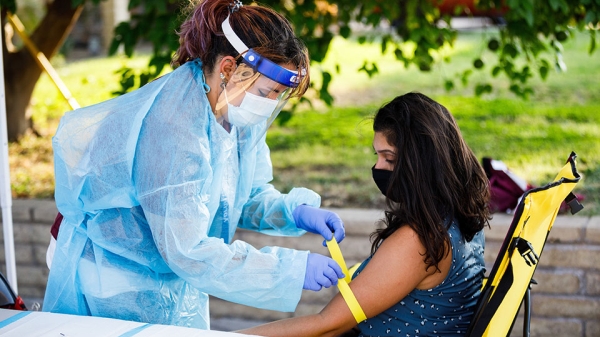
x=5 y=194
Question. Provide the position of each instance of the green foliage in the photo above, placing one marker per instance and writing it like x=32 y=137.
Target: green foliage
x=534 y=30
x=328 y=149
x=10 y=5
x=530 y=31
x=347 y=127
x=156 y=22
x=533 y=139
x=531 y=34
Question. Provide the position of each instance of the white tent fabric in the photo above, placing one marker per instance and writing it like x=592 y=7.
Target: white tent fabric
x=5 y=192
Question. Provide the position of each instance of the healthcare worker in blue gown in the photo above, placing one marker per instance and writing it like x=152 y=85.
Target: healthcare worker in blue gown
x=153 y=184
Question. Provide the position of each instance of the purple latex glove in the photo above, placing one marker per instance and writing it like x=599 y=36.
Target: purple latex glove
x=319 y=221
x=321 y=271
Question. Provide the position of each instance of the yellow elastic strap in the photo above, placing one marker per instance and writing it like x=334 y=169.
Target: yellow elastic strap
x=336 y=254
x=353 y=269
x=347 y=294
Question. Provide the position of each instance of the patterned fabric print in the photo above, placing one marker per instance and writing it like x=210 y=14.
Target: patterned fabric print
x=444 y=310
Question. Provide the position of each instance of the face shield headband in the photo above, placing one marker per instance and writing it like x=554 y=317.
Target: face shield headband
x=261 y=64
x=256 y=91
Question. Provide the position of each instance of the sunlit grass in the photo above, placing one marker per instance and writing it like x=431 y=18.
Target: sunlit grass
x=89 y=81
x=532 y=137
x=320 y=151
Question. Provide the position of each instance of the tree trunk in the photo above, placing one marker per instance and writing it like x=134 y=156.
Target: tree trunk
x=21 y=71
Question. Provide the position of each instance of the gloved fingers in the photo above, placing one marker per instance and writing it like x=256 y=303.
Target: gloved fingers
x=320 y=272
x=330 y=277
x=340 y=234
x=311 y=280
x=325 y=232
x=316 y=220
x=322 y=228
x=336 y=268
x=323 y=280
x=336 y=225
x=313 y=286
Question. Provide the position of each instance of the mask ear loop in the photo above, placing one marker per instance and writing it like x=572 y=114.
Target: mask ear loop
x=204 y=85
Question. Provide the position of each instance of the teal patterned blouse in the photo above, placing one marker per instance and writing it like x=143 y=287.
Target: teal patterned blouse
x=444 y=310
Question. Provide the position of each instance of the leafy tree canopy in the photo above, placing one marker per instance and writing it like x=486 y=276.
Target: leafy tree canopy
x=531 y=33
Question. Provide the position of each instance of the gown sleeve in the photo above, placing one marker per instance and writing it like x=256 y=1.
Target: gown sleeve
x=267 y=210
x=173 y=171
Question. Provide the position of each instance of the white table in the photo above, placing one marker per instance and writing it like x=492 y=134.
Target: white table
x=34 y=323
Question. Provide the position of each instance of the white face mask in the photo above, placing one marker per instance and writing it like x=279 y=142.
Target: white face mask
x=253 y=110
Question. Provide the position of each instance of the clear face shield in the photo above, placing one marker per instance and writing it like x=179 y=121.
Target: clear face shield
x=256 y=92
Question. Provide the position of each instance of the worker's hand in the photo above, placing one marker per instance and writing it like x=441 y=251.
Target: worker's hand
x=321 y=271
x=319 y=221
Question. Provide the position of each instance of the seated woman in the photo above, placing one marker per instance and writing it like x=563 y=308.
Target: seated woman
x=425 y=271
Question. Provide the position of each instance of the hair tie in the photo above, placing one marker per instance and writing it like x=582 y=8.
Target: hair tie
x=235 y=5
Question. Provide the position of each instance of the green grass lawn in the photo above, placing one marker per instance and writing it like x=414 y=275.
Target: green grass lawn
x=329 y=149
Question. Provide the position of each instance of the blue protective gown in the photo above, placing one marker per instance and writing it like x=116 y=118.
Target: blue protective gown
x=152 y=190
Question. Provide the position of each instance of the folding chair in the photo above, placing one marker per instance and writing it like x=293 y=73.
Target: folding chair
x=510 y=279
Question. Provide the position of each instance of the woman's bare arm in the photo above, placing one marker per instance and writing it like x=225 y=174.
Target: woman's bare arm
x=395 y=270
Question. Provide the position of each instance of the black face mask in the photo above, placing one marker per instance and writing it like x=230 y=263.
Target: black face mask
x=382 y=180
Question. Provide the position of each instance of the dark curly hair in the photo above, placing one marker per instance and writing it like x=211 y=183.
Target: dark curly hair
x=436 y=177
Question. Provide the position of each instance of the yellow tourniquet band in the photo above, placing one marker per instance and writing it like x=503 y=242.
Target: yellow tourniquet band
x=347 y=294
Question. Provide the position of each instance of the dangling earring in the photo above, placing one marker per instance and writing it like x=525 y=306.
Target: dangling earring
x=223 y=81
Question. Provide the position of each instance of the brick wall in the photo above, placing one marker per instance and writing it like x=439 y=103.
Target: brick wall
x=566 y=301
x=32 y=220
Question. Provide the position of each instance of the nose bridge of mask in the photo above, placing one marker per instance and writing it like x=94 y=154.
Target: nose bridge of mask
x=261 y=106
x=252 y=110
